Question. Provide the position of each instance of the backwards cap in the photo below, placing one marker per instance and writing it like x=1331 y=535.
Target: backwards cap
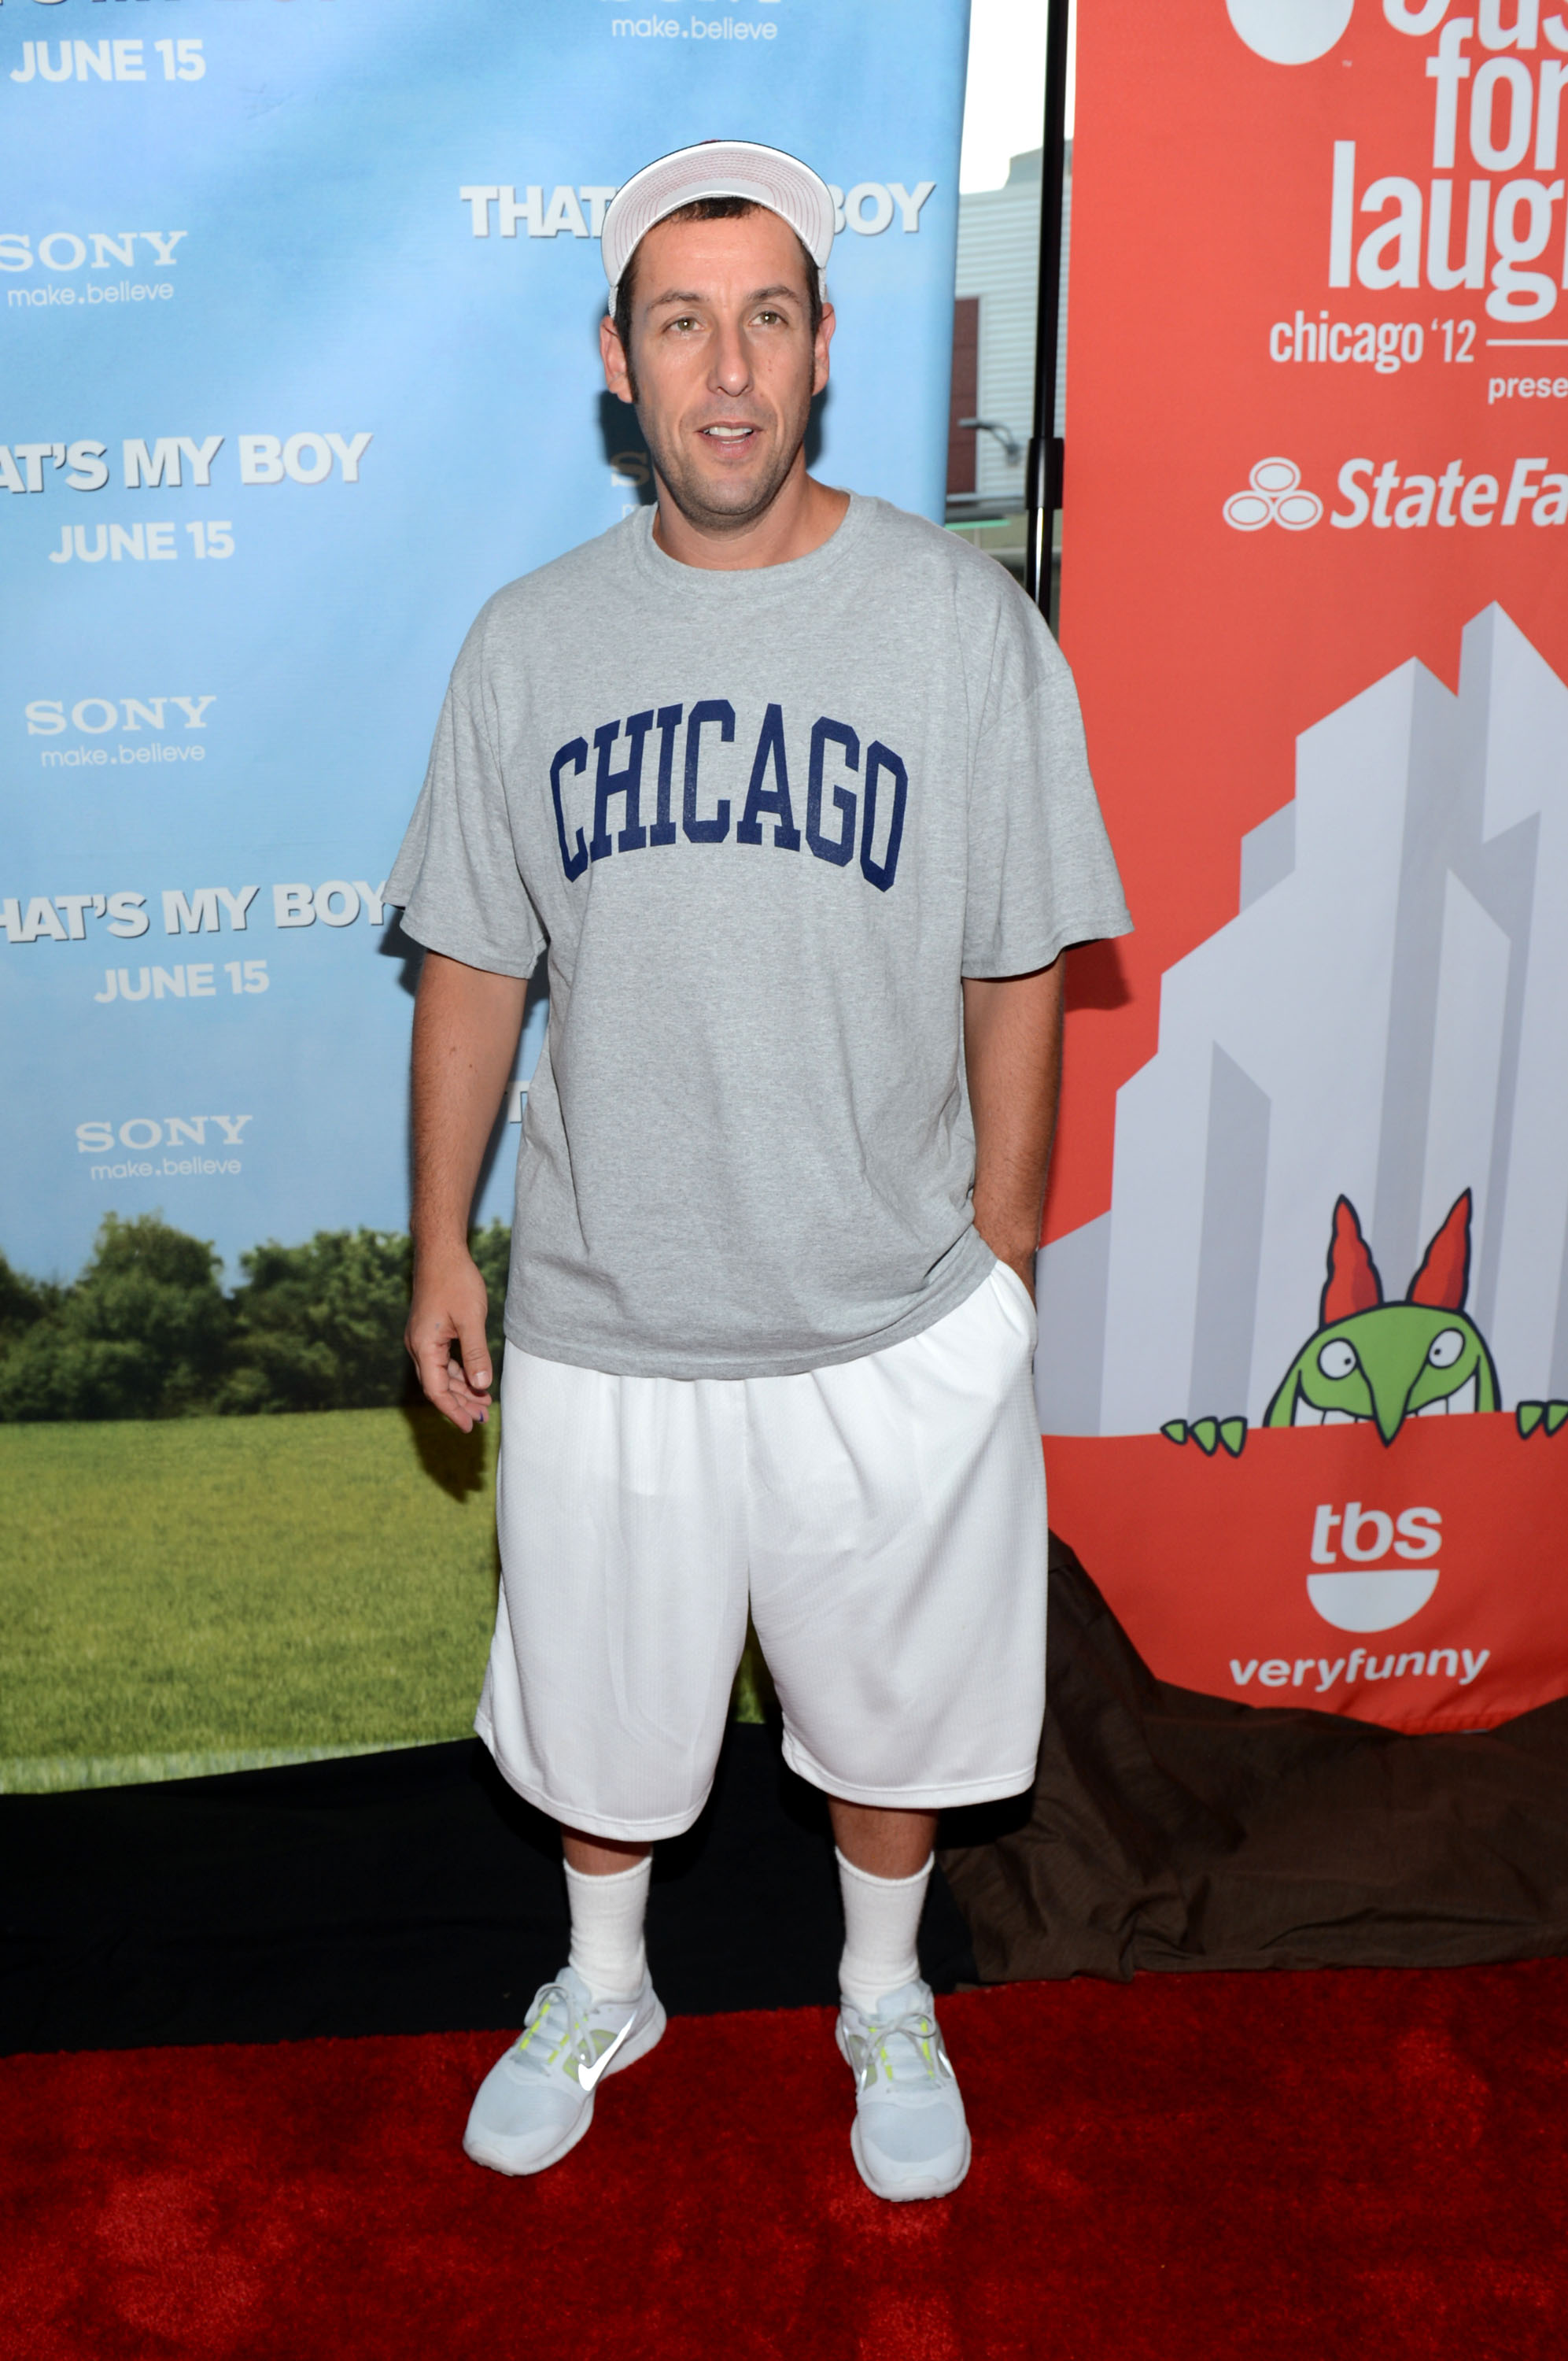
x=718 y=168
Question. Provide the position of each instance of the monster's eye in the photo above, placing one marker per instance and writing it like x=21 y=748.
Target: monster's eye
x=1446 y=1349
x=1337 y=1359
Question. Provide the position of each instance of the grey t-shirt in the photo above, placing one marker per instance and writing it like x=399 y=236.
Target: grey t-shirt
x=765 y=822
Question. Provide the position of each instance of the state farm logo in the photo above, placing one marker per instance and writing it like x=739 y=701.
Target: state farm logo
x=1275 y=495
x=1390 y=1573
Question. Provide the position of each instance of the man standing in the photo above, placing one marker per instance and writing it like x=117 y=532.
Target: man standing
x=791 y=787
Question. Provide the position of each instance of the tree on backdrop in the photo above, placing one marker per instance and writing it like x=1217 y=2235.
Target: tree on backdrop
x=148 y=1331
x=143 y=1333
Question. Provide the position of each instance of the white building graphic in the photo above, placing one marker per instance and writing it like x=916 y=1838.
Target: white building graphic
x=1387 y=1018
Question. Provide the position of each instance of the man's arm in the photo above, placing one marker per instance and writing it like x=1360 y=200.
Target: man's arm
x=467 y=1022
x=1012 y=1053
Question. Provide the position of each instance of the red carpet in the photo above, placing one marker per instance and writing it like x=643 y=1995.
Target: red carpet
x=1358 y=2163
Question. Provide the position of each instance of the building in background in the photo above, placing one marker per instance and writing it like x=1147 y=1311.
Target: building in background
x=993 y=356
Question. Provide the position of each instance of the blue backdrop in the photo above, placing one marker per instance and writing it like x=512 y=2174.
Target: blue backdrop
x=299 y=307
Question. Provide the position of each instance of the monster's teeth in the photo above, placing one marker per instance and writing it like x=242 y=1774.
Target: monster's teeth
x=1453 y=1405
x=1307 y=1413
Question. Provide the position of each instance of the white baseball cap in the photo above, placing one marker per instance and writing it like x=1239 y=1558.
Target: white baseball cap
x=718 y=168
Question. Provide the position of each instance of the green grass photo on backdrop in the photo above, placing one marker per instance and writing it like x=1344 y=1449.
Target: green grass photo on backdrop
x=188 y=1596
x=236 y=1537
x=198 y=1594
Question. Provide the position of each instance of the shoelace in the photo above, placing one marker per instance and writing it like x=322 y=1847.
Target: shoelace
x=576 y=2040
x=920 y=2031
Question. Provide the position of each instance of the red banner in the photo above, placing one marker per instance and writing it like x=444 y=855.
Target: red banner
x=1313 y=1172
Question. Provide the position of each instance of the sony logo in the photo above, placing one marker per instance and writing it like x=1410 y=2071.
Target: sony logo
x=95 y=716
x=63 y=249
x=143 y=1131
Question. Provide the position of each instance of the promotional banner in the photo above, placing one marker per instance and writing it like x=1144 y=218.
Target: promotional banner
x=1304 y=1289
x=300 y=309
x=300 y=304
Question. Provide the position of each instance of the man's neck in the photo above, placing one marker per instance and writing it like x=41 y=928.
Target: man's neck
x=800 y=518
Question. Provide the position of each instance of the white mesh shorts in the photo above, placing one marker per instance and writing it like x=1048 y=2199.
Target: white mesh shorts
x=885 y=1518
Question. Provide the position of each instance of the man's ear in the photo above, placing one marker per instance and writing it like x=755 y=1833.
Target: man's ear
x=824 y=338
x=617 y=374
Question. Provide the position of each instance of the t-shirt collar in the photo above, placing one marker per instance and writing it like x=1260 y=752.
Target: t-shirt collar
x=744 y=585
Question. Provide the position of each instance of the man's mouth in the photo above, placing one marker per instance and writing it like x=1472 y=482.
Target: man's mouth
x=729 y=434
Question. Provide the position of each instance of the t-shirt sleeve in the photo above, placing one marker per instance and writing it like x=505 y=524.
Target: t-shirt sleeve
x=455 y=877
x=1041 y=872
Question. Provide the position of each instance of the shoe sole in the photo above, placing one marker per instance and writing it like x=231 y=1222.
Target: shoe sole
x=501 y=2155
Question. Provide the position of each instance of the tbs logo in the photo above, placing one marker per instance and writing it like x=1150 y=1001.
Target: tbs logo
x=1370 y=1594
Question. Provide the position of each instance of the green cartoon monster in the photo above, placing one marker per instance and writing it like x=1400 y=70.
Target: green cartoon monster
x=1375 y=1363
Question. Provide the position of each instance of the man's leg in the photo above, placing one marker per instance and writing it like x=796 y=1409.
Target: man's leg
x=598 y=2014
x=883 y=1843
x=884 y=1867
x=621 y=1620
x=910 y=2138
x=898 y=1589
x=600 y=1856
x=607 y=1891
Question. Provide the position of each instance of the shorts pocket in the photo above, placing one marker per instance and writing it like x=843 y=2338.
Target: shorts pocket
x=1010 y=1280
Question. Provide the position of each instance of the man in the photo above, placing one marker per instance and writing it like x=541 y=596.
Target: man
x=791 y=786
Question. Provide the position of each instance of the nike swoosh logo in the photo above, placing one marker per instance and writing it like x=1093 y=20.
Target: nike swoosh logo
x=588 y=2075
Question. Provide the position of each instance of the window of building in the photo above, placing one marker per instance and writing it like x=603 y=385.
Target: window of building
x=997 y=280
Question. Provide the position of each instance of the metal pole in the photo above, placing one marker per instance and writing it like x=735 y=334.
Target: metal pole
x=1045 y=461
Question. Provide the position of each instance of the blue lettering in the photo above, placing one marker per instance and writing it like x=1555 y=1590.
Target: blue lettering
x=663 y=829
x=882 y=758
x=576 y=753
x=769 y=749
x=626 y=783
x=839 y=852
x=768 y=793
x=714 y=831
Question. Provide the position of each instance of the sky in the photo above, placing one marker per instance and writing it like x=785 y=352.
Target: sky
x=1004 y=95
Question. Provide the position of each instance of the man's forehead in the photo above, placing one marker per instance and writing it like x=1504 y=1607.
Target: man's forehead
x=675 y=255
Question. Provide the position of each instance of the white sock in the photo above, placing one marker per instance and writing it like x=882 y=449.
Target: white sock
x=607 y=1928
x=882 y=1919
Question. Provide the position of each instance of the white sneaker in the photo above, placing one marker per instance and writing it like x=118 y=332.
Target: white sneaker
x=909 y=2137
x=536 y=2102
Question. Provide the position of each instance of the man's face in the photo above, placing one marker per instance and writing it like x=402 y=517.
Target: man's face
x=725 y=361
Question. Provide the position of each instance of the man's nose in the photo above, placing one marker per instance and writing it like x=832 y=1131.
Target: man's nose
x=731 y=370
